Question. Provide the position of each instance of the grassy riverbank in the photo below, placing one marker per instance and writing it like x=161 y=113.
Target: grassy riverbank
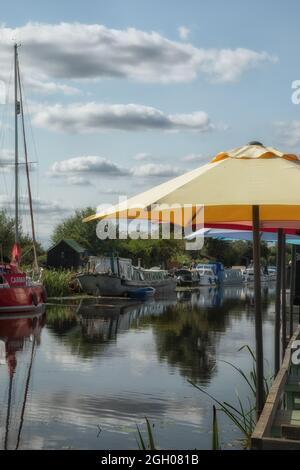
x=58 y=283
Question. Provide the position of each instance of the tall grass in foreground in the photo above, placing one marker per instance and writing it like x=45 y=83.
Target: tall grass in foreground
x=242 y=415
x=215 y=434
x=57 y=283
x=141 y=442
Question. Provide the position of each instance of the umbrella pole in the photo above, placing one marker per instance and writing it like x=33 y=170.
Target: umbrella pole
x=258 y=313
x=292 y=290
x=283 y=296
x=278 y=300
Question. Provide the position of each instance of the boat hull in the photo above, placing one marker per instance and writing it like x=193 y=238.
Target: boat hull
x=113 y=286
x=21 y=299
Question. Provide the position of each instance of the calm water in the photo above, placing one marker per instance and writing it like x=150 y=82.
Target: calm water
x=83 y=376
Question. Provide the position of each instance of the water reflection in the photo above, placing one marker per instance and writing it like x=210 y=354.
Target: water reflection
x=18 y=334
x=108 y=364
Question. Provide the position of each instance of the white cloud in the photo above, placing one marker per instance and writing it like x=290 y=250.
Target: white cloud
x=157 y=170
x=228 y=65
x=92 y=165
x=79 y=51
x=6 y=160
x=289 y=132
x=193 y=158
x=183 y=32
x=74 y=169
x=95 y=117
x=143 y=156
x=113 y=191
x=78 y=181
x=49 y=88
x=39 y=205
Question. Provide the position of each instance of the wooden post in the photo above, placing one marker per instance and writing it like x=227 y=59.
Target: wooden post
x=258 y=313
x=292 y=289
x=278 y=301
x=283 y=296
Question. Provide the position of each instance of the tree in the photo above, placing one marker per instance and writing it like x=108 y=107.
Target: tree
x=151 y=251
x=7 y=228
x=7 y=238
x=83 y=233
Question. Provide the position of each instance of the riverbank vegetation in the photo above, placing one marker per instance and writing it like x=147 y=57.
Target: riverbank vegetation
x=167 y=253
x=57 y=282
x=152 y=252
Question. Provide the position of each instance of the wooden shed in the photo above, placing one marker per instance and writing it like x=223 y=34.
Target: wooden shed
x=66 y=254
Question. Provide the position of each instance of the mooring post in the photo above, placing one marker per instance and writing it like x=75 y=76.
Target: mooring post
x=278 y=302
x=283 y=296
x=258 y=313
x=292 y=289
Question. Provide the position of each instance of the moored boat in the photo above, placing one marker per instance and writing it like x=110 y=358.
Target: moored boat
x=117 y=277
x=187 y=277
x=207 y=275
x=272 y=273
x=248 y=276
x=18 y=292
x=141 y=293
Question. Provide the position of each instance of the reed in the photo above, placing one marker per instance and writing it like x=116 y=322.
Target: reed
x=143 y=445
x=242 y=415
x=57 y=283
x=215 y=433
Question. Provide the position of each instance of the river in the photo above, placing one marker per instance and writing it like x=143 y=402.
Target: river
x=84 y=376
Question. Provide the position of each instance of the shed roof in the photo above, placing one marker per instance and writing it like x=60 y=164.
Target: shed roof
x=72 y=244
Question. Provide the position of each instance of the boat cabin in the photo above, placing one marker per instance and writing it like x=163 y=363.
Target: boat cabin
x=11 y=277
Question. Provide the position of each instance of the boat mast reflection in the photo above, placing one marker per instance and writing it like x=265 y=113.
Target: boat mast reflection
x=18 y=334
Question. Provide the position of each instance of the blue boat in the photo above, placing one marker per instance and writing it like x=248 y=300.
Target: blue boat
x=141 y=293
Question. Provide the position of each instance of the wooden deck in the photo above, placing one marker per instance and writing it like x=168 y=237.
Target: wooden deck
x=279 y=424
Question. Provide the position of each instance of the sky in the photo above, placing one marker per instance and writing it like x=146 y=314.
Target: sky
x=122 y=95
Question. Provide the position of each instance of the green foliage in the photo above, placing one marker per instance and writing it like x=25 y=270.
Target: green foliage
x=7 y=228
x=242 y=416
x=7 y=238
x=57 y=283
x=141 y=442
x=154 y=252
x=73 y=227
x=215 y=435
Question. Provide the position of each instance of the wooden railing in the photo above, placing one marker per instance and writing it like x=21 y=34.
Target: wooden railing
x=261 y=437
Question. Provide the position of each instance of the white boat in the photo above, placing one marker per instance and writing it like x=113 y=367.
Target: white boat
x=216 y=274
x=248 y=276
x=207 y=275
x=272 y=273
x=232 y=277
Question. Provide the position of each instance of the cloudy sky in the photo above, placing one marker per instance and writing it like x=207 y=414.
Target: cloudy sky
x=124 y=94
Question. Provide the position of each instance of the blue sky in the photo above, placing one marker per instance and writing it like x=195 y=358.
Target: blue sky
x=232 y=63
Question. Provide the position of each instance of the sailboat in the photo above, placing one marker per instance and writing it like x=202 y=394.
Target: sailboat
x=19 y=292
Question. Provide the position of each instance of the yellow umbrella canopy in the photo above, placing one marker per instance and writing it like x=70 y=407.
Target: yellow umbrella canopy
x=228 y=187
x=252 y=185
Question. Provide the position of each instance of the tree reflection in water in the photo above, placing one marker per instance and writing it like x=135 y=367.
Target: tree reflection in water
x=186 y=330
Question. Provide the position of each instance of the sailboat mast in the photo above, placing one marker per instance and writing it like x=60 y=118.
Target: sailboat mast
x=17 y=109
x=36 y=266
